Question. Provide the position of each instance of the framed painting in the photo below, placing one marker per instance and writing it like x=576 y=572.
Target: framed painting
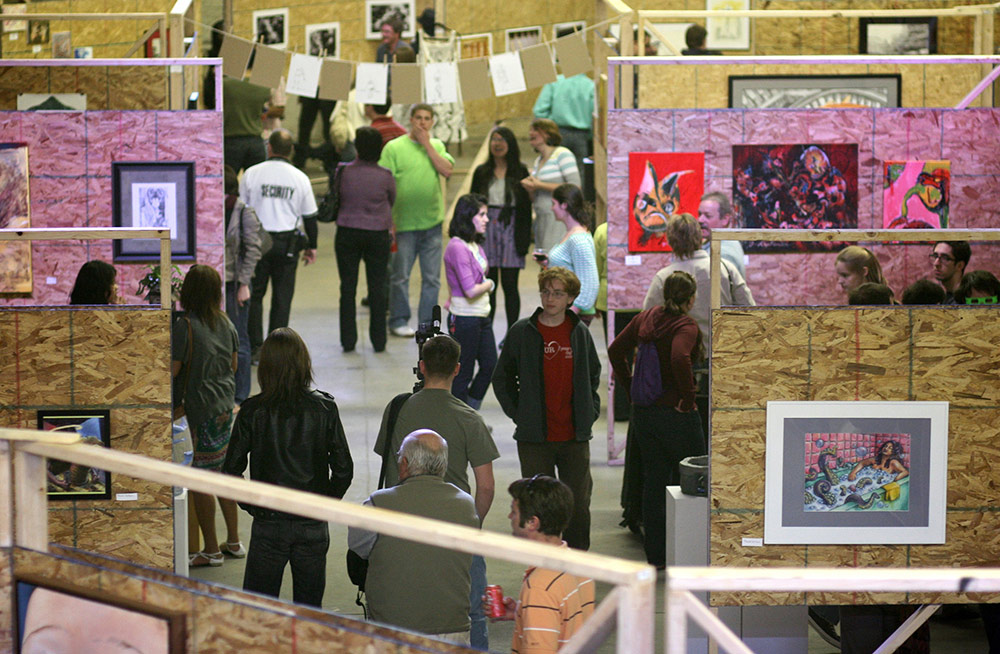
x=661 y=185
x=814 y=91
x=519 y=38
x=898 y=36
x=856 y=473
x=795 y=186
x=270 y=27
x=15 y=212
x=52 y=616
x=727 y=33
x=915 y=194
x=474 y=46
x=560 y=30
x=379 y=11
x=323 y=40
x=153 y=194
x=70 y=481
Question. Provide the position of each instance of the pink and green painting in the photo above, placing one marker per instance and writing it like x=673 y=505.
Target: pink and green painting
x=915 y=194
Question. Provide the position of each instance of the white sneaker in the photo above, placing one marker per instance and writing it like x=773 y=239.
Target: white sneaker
x=404 y=332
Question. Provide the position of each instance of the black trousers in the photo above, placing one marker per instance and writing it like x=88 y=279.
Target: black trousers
x=506 y=278
x=241 y=152
x=309 y=108
x=278 y=268
x=572 y=459
x=352 y=246
x=274 y=543
x=665 y=436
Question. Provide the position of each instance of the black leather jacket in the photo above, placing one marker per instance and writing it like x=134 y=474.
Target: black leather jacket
x=300 y=446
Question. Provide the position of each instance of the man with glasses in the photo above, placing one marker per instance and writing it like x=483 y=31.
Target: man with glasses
x=546 y=381
x=949 y=260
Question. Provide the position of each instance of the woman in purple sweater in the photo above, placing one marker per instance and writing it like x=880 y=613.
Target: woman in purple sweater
x=469 y=321
x=367 y=192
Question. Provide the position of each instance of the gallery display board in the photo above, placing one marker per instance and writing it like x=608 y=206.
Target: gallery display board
x=853 y=354
x=105 y=373
x=956 y=147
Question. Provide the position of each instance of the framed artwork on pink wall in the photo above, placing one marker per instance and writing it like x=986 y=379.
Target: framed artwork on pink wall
x=15 y=212
x=916 y=194
x=661 y=185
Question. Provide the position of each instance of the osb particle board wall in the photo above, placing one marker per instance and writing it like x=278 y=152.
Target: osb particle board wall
x=115 y=359
x=106 y=87
x=69 y=159
x=968 y=138
x=918 y=354
x=217 y=620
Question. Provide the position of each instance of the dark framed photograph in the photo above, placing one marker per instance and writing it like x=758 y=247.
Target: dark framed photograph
x=71 y=481
x=52 y=616
x=379 y=11
x=898 y=36
x=270 y=27
x=155 y=195
x=323 y=39
x=815 y=91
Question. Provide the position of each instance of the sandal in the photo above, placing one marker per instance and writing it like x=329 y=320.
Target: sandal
x=235 y=550
x=202 y=560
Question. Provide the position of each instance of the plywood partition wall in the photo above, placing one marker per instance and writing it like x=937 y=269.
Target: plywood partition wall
x=216 y=619
x=920 y=354
x=968 y=138
x=115 y=359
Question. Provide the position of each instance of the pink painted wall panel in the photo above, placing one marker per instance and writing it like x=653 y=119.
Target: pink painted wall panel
x=70 y=156
x=969 y=138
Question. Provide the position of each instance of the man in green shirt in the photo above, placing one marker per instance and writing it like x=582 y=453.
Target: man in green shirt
x=418 y=162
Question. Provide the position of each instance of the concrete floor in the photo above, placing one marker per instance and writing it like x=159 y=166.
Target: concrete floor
x=363 y=382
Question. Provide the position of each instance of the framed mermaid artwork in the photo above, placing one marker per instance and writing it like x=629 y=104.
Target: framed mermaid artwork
x=855 y=473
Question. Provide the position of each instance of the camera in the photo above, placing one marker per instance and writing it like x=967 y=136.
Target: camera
x=425 y=331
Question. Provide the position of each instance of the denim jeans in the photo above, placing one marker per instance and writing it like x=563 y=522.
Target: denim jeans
x=475 y=336
x=276 y=542
x=425 y=243
x=479 y=634
x=240 y=315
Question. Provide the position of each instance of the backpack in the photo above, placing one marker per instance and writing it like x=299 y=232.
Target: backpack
x=647 y=385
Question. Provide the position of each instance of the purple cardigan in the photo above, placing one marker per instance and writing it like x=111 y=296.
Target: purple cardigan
x=461 y=268
x=367 y=192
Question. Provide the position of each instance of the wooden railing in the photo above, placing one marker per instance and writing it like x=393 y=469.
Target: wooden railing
x=24 y=522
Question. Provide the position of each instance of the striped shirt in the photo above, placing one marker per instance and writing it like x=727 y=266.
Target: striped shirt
x=552 y=607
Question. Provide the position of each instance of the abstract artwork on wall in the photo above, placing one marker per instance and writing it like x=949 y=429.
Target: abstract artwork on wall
x=661 y=185
x=270 y=27
x=915 y=35
x=855 y=472
x=814 y=91
x=379 y=11
x=323 y=39
x=916 y=194
x=70 y=481
x=15 y=212
x=795 y=186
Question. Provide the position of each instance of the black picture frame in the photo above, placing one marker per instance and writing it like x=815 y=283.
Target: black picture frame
x=81 y=613
x=898 y=36
x=70 y=482
x=815 y=91
x=136 y=187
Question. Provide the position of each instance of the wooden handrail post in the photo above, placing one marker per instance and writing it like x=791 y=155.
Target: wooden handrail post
x=675 y=621
x=31 y=515
x=636 y=614
x=6 y=497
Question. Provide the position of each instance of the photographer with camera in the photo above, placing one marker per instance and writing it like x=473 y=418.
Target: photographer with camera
x=469 y=444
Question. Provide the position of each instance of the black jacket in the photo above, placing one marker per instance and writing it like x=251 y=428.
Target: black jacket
x=301 y=446
x=519 y=380
x=517 y=202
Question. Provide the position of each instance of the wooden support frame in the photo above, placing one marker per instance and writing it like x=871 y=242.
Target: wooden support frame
x=94 y=234
x=632 y=602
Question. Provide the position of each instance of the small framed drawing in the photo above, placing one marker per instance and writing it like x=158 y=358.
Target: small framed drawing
x=519 y=38
x=270 y=27
x=473 y=46
x=727 y=33
x=323 y=40
x=70 y=481
x=56 y=616
x=379 y=11
x=560 y=30
x=154 y=194
x=898 y=36
x=856 y=473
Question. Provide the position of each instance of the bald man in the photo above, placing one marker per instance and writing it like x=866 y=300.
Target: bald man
x=410 y=585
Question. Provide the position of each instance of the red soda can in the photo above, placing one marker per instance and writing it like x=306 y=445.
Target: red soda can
x=494 y=595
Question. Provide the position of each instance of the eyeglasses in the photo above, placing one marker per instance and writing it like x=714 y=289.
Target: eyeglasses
x=981 y=300
x=934 y=256
x=548 y=292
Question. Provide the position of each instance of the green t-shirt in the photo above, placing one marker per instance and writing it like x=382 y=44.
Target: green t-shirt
x=419 y=204
x=242 y=105
x=469 y=440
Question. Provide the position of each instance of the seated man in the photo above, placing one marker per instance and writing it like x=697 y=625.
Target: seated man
x=410 y=585
x=552 y=605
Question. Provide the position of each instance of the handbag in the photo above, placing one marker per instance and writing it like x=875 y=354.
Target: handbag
x=330 y=206
x=262 y=234
x=180 y=387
